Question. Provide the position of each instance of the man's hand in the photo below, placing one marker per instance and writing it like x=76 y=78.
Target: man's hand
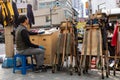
x=42 y=47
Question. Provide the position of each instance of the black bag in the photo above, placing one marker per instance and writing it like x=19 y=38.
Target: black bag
x=1 y=17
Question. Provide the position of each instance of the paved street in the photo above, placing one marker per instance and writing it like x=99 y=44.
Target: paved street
x=2 y=48
x=6 y=74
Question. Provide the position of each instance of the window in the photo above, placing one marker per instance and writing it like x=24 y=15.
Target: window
x=48 y=4
x=35 y=5
x=117 y=1
x=68 y=14
x=22 y=10
x=47 y=18
x=42 y=5
x=19 y=1
x=57 y=3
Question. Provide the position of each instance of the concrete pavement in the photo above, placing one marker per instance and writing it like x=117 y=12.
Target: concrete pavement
x=2 y=48
x=7 y=74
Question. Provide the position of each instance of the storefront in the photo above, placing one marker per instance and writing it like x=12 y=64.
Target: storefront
x=114 y=15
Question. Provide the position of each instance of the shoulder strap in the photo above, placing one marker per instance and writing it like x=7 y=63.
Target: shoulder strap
x=9 y=12
x=0 y=14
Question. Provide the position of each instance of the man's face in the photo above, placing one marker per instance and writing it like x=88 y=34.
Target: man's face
x=27 y=21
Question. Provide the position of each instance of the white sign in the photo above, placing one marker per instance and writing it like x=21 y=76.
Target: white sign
x=22 y=5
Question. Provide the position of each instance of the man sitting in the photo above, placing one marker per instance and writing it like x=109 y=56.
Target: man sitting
x=24 y=45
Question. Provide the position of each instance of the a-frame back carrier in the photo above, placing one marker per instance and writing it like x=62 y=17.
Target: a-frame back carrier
x=65 y=25
x=1 y=17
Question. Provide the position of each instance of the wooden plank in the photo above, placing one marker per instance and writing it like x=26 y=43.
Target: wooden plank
x=49 y=41
x=9 y=47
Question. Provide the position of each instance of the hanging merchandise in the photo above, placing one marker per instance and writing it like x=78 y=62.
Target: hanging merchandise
x=10 y=12
x=6 y=12
x=30 y=15
x=2 y=13
x=1 y=17
x=16 y=13
x=115 y=34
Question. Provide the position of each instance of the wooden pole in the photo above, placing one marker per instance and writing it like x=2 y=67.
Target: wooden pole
x=9 y=47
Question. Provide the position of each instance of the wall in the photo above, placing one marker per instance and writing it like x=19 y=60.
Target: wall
x=40 y=17
x=58 y=15
x=103 y=4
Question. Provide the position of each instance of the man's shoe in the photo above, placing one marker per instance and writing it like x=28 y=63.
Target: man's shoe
x=36 y=70
x=43 y=68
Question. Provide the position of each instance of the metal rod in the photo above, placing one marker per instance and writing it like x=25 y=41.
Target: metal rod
x=100 y=5
x=51 y=17
x=90 y=8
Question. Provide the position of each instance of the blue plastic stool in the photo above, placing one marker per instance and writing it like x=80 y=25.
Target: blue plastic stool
x=23 y=66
